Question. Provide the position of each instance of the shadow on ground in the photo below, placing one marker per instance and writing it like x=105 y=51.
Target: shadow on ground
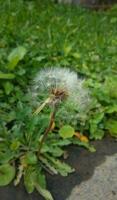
x=83 y=161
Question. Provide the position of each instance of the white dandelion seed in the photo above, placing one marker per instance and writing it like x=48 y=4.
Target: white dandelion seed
x=61 y=79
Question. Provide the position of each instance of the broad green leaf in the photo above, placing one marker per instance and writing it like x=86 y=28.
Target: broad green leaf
x=45 y=193
x=6 y=157
x=15 y=56
x=111 y=125
x=6 y=76
x=7 y=173
x=66 y=131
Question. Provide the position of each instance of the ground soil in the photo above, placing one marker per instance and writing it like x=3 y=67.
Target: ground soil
x=82 y=160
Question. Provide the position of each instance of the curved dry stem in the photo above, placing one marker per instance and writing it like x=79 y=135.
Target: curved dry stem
x=47 y=130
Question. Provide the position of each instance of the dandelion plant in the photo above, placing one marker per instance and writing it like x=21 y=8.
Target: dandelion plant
x=60 y=86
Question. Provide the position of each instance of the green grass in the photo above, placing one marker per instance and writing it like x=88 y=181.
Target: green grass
x=59 y=35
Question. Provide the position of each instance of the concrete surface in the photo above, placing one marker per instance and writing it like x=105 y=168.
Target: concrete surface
x=101 y=186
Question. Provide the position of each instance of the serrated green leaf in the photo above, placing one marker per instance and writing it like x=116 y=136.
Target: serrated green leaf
x=53 y=150
x=63 y=168
x=40 y=179
x=61 y=142
x=45 y=193
x=48 y=165
x=66 y=131
x=7 y=173
x=86 y=145
x=56 y=151
x=30 y=179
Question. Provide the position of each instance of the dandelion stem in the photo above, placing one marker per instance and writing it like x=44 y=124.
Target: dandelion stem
x=47 y=130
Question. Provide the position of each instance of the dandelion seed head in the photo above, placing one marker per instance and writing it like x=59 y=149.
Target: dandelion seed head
x=62 y=79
